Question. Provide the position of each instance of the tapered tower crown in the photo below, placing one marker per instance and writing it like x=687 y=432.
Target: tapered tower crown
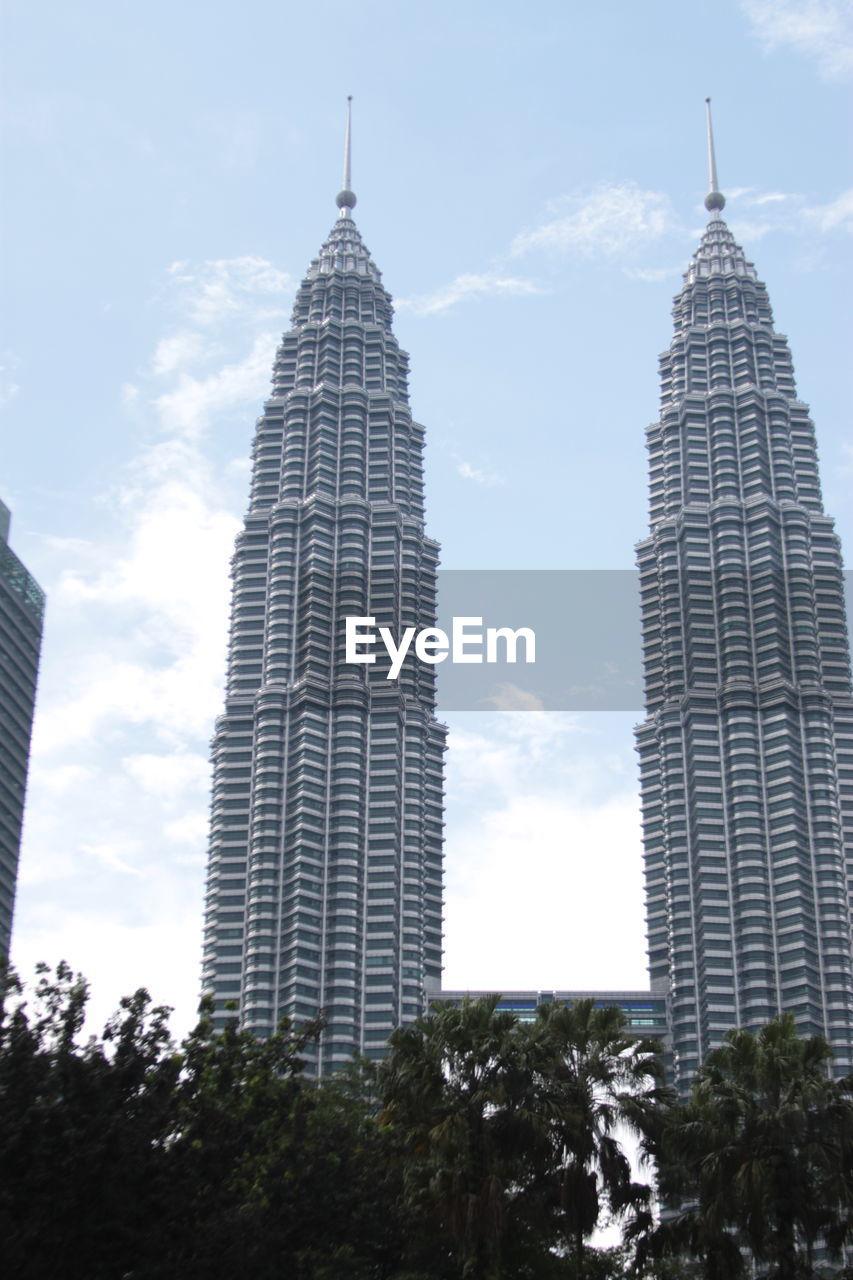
x=325 y=856
x=746 y=753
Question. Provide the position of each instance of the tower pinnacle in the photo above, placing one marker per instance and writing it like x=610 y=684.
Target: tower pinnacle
x=334 y=894
x=345 y=199
x=714 y=200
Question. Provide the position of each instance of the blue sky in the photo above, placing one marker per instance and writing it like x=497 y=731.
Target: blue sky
x=530 y=184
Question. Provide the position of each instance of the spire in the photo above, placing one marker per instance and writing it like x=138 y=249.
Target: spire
x=346 y=196
x=714 y=200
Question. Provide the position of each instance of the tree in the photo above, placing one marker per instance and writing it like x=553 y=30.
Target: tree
x=82 y=1130
x=761 y=1155
x=507 y=1131
x=126 y=1158
x=273 y=1173
x=594 y=1078
x=457 y=1094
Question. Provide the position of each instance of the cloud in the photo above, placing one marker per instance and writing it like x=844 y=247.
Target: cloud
x=176 y=698
x=65 y=777
x=820 y=29
x=176 y=350
x=190 y=829
x=162 y=954
x=652 y=275
x=169 y=776
x=135 y=649
x=617 y=221
x=222 y=289
x=509 y=697
x=835 y=216
x=172 y=535
x=543 y=827
x=115 y=855
x=187 y=408
x=467 y=287
x=488 y=479
x=236 y=299
x=753 y=214
x=612 y=220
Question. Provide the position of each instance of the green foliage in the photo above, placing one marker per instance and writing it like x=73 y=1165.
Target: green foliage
x=482 y=1149
x=593 y=1077
x=82 y=1129
x=761 y=1157
x=126 y=1158
x=507 y=1132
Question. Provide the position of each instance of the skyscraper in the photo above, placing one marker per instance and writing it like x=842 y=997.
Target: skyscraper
x=21 y=618
x=746 y=752
x=324 y=881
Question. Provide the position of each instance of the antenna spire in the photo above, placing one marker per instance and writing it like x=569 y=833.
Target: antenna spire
x=345 y=199
x=714 y=200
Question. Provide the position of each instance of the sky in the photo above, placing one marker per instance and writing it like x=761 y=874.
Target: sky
x=530 y=183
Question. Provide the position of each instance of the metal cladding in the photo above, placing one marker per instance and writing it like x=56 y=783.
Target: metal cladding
x=746 y=751
x=325 y=861
x=21 y=621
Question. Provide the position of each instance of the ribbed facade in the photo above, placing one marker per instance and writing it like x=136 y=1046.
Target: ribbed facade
x=746 y=751
x=21 y=619
x=325 y=861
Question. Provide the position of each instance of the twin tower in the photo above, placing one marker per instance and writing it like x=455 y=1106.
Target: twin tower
x=325 y=860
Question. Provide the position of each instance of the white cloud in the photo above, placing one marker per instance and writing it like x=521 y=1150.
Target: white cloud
x=612 y=220
x=754 y=198
x=488 y=479
x=118 y=957
x=547 y=829
x=753 y=214
x=748 y=231
x=467 y=287
x=835 y=216
x=190 y=829
x=115 y=855
x=619 y=220
x=176 y=350
x=63 y=778
x=169 y=776
x=160 y=604
x=119 y=780
x=219 y=290
x=111 y=696
x=508 y=697
x=187 y=408
x=820 y=29
x=652 y=275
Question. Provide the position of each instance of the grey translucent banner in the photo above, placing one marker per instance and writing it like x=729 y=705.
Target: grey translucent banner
x=586 y=623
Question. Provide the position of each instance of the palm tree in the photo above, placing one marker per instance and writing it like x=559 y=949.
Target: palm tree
x=595 y=1079
x=762 y=1154
x=457 y=1090
x=508 y=1129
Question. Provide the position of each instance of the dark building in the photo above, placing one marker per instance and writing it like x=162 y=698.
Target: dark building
x=746 y=752
x=21 y=617
x=325 y=858
x=645 y=1015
